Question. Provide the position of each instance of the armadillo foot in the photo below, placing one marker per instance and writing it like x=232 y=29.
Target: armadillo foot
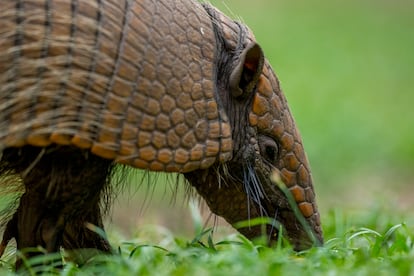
x=35 y=225
x=81 y=234
x=85 y=233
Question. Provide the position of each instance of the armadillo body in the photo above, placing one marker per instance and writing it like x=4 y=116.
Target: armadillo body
x=171 y=86
x=130 y=80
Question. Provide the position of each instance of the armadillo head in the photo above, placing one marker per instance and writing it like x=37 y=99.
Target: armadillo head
x=265 y=140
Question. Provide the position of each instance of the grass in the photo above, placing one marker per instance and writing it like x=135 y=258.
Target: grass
x=367 y=243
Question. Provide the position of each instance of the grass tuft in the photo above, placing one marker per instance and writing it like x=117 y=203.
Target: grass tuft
x=363 y=243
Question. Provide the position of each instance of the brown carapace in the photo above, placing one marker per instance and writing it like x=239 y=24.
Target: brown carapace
x=173 y=86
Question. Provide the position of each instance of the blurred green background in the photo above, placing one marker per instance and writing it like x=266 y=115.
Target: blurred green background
x=347 y=70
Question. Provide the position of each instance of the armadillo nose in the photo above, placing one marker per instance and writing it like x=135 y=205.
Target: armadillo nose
x=305 y=213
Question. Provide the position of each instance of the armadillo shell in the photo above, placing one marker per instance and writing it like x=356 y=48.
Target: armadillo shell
x=133 y=82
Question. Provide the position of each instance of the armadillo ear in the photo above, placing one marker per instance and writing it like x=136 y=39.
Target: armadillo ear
x=245 y=75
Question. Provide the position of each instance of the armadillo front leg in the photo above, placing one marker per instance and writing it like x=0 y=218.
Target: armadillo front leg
x=63 y=189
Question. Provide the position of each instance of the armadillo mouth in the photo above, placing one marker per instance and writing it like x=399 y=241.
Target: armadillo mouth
x=279 y=201
x=242 y=195
x=273 y=203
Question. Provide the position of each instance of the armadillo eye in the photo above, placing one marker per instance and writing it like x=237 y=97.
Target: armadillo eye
x=268 y=148
x=271 y=153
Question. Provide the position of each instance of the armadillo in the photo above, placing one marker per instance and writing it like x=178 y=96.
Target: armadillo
x=164 y=86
